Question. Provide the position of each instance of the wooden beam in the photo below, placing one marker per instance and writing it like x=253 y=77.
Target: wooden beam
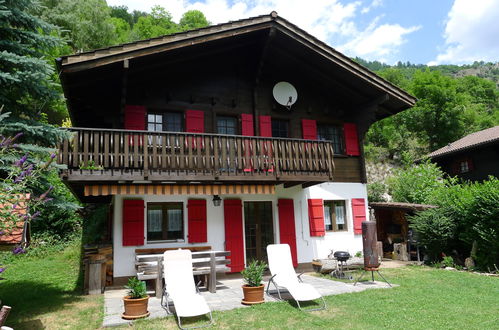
x=258 y=74
x=310 y=184
x=93 y=63
x=291 y=184
x=124 y=82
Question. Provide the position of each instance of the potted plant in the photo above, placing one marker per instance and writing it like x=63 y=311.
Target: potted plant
x=136 y=300
x=253 y=289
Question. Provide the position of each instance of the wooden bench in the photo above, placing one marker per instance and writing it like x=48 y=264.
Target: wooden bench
x=162 y=250
x=208 y=263
x=148 y=270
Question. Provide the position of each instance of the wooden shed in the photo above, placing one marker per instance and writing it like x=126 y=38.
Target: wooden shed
x=392 y=225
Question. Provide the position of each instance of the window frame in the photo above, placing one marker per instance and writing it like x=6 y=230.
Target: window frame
x=279 y=120
x=164 y=221
x=181 y=116
x=332 y=215
x=225 y=117
x=164 y=121
x=340 y=134
x=464 y=166
x=155 y=122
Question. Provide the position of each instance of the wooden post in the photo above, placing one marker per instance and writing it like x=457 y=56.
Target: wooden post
x=159 y=279
x=94 y=273
x=213 y=273
x=4 y=313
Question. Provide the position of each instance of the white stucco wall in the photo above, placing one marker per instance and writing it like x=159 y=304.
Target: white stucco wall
x=308 y=247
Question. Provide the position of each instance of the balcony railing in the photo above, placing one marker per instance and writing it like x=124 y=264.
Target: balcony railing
x=107 y=154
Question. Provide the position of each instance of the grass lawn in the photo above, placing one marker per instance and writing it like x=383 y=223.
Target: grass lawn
x=44 y=294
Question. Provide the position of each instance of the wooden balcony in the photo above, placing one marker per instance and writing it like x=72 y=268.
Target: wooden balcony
x=97 y=155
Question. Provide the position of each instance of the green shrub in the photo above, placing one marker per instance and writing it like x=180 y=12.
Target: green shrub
x=435 y=229
x=415 y=184
x=95 y=224
x=375 y=192
x=466 y=213
x=136 y=289
x=253 y=273
x=448 y=261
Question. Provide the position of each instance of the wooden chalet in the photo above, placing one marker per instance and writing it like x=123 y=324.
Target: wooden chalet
x=474 y=157
x=166 y=129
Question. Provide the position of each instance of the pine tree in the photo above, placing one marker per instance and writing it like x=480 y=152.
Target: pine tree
x=25 y=73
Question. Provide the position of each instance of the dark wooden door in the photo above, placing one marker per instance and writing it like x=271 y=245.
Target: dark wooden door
x=259 y=229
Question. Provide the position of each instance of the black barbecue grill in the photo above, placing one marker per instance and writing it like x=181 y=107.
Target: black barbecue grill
x=341 y=257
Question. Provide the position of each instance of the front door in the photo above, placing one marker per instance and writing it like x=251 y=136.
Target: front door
x=259 y=229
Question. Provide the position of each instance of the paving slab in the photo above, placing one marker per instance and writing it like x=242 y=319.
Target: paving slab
x=228 y=296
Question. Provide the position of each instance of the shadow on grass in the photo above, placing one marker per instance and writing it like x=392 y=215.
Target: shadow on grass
x=29 y=299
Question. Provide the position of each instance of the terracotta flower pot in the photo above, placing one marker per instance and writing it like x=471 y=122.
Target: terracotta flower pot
x=253 y=294
x=135 y=308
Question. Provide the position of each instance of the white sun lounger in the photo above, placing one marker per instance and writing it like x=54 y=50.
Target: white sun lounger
x=283 y=275
x=180 y=287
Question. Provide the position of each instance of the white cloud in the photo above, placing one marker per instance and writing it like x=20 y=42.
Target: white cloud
x=471 y=32
x=374 y=4
x=327 y=20
x=378 y=42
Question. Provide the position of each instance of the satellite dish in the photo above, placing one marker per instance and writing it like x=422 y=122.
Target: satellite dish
x=285 y=94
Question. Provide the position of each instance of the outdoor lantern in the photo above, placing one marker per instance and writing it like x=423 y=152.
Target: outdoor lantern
x=216 y=200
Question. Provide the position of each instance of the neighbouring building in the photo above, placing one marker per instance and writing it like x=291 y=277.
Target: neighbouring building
x=473 y=157
x=233 y=136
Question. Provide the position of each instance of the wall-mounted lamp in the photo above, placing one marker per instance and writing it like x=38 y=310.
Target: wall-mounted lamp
x=216 y=200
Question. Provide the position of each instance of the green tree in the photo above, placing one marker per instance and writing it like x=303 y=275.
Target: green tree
x=122 y=12
x=86 y=23
x=158 y=23
x=24 y=71
x=193 y=19
x=121 y=30
x=437 y=114
x=416 y=184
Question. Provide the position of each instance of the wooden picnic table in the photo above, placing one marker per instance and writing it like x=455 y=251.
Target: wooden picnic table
x=203 y=263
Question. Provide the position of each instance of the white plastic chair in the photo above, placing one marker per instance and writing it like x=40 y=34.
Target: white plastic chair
x=180 y=287
x=283 y=275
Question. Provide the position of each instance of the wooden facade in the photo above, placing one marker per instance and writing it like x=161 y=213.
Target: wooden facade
x=224 y=71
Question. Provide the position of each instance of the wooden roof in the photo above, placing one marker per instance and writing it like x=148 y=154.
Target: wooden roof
x=106 y=56
x=401 y=206
x=470 y=141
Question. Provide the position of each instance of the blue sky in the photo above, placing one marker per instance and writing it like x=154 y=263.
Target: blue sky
x=418 y=31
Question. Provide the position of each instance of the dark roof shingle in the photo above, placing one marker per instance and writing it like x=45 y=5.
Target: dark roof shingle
x=469 y=141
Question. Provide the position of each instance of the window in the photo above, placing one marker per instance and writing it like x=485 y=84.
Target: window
x=334 y=134
x=165 y=221
x=463 y=166
x=335 y=216
x=280 y=128
x=154 y=122
x=226 y=125
x=173 y=122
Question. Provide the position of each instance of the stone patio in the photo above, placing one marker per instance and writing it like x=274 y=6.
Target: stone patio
x=228 y=296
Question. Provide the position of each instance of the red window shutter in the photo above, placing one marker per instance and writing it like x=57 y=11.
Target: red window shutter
x=194 y=121
x=233 y=218
x=351 y=139
x=196 y=219
x=470 y=164
x=265 y=126
x=309 y=129
x=316 y=217
x=247 y=128
x=287 y=231
x=359 y=214
x=135 y=117
x=133 y=222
